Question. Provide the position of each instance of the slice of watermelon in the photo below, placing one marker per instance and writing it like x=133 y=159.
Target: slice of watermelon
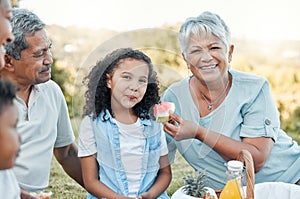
x=161 y=111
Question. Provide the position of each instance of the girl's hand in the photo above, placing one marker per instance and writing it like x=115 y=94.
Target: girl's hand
x=180 y=129
x=145 y=195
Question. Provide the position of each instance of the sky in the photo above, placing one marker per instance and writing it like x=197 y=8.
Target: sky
x=254 y=19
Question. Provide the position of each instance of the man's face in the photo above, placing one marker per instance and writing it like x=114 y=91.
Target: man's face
x=34 y=67
x=9 y=138
x=5 y=30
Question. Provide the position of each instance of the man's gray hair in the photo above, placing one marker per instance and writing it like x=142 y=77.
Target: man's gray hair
x=204 y=25
x=23 y=22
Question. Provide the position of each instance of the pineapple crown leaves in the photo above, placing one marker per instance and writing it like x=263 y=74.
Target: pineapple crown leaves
x=195 y=185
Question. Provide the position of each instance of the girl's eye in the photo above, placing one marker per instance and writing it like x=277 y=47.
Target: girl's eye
x=126 y=77
x=143 y=81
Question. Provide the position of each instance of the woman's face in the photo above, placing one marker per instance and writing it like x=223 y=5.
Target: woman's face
x=208 y=57
x=128 y=83
x=5 y=30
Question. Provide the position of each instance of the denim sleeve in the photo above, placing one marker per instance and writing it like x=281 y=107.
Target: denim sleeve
x=171 y=147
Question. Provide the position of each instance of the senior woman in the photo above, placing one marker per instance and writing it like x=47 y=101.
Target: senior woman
x=221 y=111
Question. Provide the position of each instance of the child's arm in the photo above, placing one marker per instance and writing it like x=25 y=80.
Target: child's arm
x=91 y=181
x=162 y=182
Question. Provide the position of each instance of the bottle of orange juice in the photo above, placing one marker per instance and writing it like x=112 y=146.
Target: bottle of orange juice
x=233 y=188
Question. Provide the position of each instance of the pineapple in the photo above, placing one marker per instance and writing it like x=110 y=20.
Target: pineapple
x=195 y=185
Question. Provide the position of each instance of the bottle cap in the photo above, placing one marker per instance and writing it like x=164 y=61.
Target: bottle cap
x=235 y=165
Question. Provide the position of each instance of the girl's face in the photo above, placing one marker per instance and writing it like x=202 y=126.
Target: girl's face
x=5 y=31
x=9 y=138
x=128 y=83
x=208 y=57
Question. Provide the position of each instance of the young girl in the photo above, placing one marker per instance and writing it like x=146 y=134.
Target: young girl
x=123 y=152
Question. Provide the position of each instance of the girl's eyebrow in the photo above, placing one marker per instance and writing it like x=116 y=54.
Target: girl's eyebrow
x=129 y=73
x=125 y=72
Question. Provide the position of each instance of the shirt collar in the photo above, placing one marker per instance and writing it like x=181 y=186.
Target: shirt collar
x=108 y=116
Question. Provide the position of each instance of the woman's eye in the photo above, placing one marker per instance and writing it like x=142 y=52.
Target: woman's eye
x=195 y=51
x=215 y=47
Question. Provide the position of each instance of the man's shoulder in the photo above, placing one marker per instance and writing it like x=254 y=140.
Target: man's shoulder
x=49 y=85
x=50 y=88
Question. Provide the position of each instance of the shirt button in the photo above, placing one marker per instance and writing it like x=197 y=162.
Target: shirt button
x=267 y=122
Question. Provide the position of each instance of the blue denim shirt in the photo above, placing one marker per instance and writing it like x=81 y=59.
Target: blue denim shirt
x=111 y=170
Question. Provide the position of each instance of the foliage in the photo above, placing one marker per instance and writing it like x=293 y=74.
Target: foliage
x=195 y=185
x=63 y=78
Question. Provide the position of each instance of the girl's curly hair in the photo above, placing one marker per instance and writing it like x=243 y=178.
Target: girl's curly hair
x=98 y=96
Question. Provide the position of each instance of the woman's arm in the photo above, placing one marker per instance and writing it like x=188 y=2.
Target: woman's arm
x=226 y=147
x=162 y=181
x=91 y=181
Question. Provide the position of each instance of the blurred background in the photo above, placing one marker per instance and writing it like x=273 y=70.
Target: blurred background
x=266 y=35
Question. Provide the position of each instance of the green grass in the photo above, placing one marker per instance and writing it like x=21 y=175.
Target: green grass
x=63 y=187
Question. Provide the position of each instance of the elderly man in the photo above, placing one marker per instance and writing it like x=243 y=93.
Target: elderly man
x=44 y=122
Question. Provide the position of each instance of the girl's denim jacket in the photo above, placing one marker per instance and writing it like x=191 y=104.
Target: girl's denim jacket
x=111 y=170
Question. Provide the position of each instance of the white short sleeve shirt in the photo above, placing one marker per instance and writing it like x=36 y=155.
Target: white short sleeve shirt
x=9 y=188
x=43 y=125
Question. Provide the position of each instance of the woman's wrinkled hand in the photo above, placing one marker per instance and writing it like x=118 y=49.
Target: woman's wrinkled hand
x=180 y=129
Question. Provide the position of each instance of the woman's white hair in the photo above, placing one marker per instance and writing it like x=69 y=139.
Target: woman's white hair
x=204 y=25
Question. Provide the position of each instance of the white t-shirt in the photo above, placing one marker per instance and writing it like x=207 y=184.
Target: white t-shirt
x=132 y=142
x=9 y=188
x=43 y=125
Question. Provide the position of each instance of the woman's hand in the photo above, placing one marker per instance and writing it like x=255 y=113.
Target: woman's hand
x=180 y=129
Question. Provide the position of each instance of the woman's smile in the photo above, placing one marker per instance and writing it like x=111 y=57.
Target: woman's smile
x=211 y=67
